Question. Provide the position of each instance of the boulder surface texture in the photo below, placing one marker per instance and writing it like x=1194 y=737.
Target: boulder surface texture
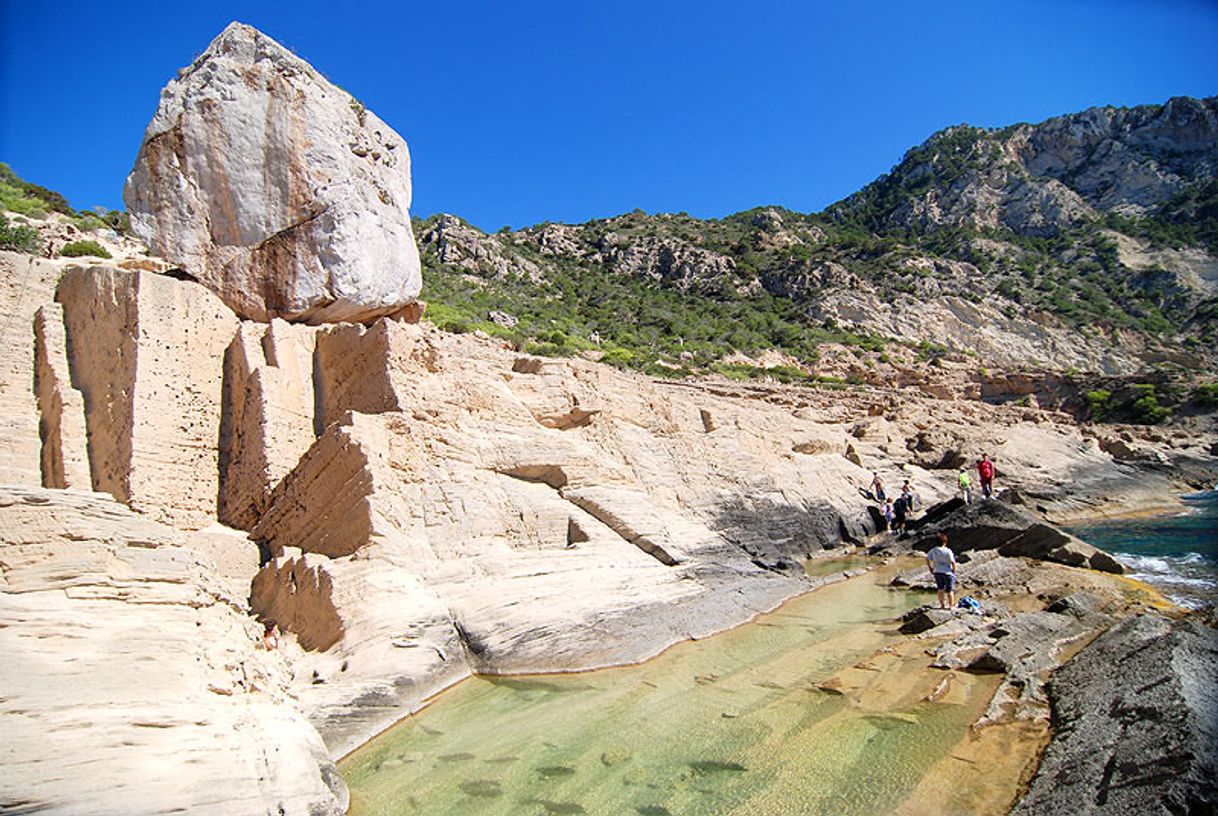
x=1137 y=725
x=131 y=679
x=276 y=189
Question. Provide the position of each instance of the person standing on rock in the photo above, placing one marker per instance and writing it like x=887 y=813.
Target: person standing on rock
x=877 y=488
x=270 y=636
x=966 y=486
x=899 y=510
x=941 y=562
x=985 y=470
x=907 y=495
x=889 y=515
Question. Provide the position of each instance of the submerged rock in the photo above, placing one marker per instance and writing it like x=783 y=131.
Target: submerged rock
x=276 y=189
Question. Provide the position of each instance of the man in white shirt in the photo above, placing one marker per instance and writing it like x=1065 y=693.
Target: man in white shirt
x=941 y=561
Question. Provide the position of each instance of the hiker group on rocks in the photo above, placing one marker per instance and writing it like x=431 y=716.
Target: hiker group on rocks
x=896 y=512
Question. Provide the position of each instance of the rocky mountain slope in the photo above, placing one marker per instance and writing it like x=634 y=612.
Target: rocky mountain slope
x=412 y=505
x=1088 y=242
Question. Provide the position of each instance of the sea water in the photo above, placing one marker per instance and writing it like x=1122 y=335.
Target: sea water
x=1177 y=554
x=751 y=721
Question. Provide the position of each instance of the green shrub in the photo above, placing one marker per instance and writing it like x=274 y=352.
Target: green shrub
x=78 y=249
x=88 y=223
x=931 y=351
x=18 y=238
x=1148 y=411
x=544 y=349
x=1098 y=403
x=1206 y=395
x=28 y=199
x=30 y=207
x=620 y=357
x=53 y=200
x=1145 y=407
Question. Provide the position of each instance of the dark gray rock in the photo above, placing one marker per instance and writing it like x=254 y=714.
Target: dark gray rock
x=924 y=618
x=982 y=525
x=1104 y=562
x=1029 y=638
x=878 y=522
x=936 y=513
x=770 y=531
x=1080 y=605
x=1135 y=719
x=997 y=572
x=1012 y=530
x=985 y=569
x=1045 y=542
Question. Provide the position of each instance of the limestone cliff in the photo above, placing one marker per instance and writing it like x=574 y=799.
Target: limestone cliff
x=131 y=679
x=1041 y=179
x=1088 y=242
x=411 y=505
x=274 y=187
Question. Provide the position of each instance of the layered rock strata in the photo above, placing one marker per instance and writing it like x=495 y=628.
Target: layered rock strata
x=1137 y=725
x=538 y=514
x=144 y=691
x=431 y=505
x=503 y=534
x=145 y=354
x=278 y=190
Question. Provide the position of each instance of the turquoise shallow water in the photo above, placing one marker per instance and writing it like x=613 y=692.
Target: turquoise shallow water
x=1178 y=554
x=746 y=722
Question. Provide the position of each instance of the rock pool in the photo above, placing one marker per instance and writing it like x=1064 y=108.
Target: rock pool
x=819 y=707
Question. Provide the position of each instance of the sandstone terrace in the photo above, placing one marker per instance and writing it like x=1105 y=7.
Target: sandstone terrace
x=413 y=505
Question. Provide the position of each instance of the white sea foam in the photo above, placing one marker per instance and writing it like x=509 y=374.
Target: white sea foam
x=1161 y=563
x=1188 y=580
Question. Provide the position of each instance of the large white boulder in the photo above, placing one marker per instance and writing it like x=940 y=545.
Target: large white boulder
x=275 y=188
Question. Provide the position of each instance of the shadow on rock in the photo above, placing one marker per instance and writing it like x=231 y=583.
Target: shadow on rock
x=779 y=536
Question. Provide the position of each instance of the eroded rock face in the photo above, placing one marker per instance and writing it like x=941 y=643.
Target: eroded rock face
x=65 y=460
x=267 y=419
x=1140 y=708
x=145 y=353
x=276 y=189
x=132 y=681
x=462 y=512
x=25 y=285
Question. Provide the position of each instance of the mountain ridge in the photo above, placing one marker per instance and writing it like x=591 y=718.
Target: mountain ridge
x=974 y=241
x=1087 y=242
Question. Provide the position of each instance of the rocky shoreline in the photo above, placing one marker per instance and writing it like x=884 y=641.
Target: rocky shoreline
x=1135 y=719
x=1125 y=682
x=538 y=514
x=180 y=465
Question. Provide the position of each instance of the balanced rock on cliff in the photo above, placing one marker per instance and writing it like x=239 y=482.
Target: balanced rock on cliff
x=275 y=188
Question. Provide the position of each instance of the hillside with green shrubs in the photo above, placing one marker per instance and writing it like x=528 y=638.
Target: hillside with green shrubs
x=1035 y=224
x=1084 y=244
x=36 y=203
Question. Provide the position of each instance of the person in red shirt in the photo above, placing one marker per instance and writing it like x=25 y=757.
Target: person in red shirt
x=985 y=471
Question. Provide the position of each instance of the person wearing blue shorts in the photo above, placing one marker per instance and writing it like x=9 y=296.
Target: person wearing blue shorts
x=941 y=562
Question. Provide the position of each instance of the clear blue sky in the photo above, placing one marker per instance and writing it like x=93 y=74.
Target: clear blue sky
x=520 y=112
